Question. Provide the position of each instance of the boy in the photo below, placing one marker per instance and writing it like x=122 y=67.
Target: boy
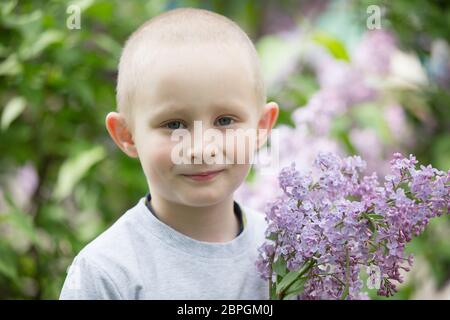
x=187 y=238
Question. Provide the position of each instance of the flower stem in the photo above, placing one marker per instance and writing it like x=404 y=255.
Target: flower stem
x=347 y=275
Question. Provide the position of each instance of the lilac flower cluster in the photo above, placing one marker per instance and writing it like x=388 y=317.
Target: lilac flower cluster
x=324 y=229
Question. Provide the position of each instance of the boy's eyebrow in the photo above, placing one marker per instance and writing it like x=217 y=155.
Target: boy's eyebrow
x=171 y=108
x=166 y=109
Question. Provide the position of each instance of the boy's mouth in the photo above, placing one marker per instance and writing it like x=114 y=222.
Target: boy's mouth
x=203 y=176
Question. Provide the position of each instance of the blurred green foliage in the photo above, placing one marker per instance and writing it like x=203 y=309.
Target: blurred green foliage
x=58 y=84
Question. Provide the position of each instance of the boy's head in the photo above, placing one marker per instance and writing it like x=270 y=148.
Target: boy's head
x=182 y=66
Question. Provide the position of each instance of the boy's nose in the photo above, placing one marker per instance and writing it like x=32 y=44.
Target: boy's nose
x=201 y=148
x=195 y=153
x=198 y=151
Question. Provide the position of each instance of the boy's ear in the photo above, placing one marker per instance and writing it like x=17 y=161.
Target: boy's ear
x=267 y=121
x=118 y=130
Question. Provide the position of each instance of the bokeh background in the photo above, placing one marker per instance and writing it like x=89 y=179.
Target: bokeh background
x=343 y=83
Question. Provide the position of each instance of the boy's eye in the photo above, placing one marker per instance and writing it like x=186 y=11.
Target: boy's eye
x=174 y=125
x=225 y=121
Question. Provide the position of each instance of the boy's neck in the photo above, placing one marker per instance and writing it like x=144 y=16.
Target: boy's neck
x=216 y=223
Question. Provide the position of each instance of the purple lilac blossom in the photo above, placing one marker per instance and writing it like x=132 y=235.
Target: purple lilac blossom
x=340 y=222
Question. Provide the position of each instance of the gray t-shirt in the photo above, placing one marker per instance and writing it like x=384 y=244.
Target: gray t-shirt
x=140 y=257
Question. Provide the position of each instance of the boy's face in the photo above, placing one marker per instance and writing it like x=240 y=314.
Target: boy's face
x=187 y=85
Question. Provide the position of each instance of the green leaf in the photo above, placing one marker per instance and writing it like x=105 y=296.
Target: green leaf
x=109 y=44
x=7 y=7
x=376 y=216
x=12 y=110
x=334 y=46
x=273 y=236
x=372 y=226
x=288 y=280
x=74 y=169
x=11 y=66
x=83 y=4
x=280 y=267
x=295 y=289
x=15 y=21
x=273 y=292
x=40 y=44
x=7 y=262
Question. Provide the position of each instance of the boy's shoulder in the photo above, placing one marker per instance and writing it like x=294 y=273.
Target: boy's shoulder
x=101 y=268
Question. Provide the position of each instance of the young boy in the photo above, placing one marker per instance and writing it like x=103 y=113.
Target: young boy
x=187 y=238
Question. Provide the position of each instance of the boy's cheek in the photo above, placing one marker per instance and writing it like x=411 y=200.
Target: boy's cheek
x=156 y=164
x=159 y=157
x=153 y=153
x=241 y=151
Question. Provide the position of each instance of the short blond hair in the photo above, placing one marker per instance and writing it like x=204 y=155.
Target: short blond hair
x=177 y=27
